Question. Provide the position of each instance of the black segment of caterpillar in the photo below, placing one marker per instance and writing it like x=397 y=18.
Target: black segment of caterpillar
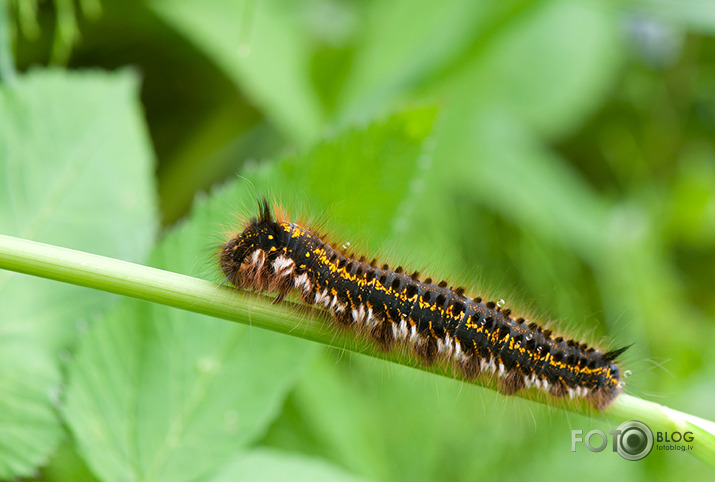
x=272 y=254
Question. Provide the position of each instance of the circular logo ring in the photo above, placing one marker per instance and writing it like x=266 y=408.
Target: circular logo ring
x=635 y=440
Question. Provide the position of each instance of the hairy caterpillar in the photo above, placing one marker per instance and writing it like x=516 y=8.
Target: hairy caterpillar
x=273 y=254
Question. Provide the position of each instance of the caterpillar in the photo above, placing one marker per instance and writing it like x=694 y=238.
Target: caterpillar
x=480 y=337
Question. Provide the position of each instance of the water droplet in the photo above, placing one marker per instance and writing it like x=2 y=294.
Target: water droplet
x=538 y=349
x=627 y=373
x=529 y=336
x=621 y=384
x=346 y=245
x=500 y=303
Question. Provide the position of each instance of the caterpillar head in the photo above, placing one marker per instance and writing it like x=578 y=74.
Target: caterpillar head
x=243 y=257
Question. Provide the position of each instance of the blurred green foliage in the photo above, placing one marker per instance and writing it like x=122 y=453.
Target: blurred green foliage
x=556 y=154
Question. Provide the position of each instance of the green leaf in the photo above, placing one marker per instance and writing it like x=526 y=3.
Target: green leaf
x=403 y=42
x=552 y=63
x=161 y=394
x=77 y=172
x=29 y=387
x=362 y=177
x=553 y=66
x=260 y=47
x=270 y=465
x=358 y=409
x=552 y=200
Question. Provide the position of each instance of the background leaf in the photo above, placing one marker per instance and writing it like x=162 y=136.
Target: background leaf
x=261 y=50
x=271 y=465
x=76 y=167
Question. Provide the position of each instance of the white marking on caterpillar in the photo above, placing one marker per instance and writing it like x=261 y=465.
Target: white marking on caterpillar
x=414 y=337
x=283 y=266
x=370 y=318
x=361 y=313
x=258 y=258
x=403 y=331
x=457 y=349
x=488 y=365
x=303 y=282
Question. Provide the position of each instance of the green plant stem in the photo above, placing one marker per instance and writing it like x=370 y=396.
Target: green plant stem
x=207 y=298
x=151 y=284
